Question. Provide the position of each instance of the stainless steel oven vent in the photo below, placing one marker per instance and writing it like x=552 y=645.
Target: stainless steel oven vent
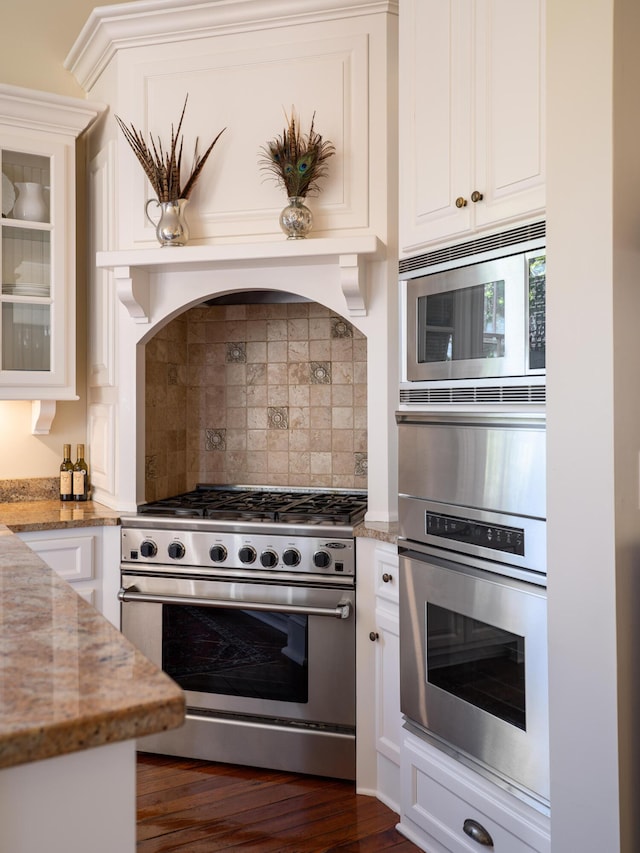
x=474 y=394
x=491 y=245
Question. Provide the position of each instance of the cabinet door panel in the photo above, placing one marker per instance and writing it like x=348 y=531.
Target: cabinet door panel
x=472 y=96
x=509 y=75
x=71 y=557
x=435 y=120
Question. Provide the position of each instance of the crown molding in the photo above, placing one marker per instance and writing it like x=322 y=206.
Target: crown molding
x=148 y=22
x=44 y=111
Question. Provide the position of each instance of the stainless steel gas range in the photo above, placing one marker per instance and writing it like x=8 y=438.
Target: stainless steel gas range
x=245 y=596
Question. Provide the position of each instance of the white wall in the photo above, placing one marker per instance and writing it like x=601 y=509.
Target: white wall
x=35 y=38
x=593 y=409
x=34 y=41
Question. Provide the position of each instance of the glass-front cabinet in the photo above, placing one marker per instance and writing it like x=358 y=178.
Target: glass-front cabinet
x=38 y=133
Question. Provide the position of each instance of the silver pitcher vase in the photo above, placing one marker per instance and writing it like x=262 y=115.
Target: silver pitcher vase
x=171 y=227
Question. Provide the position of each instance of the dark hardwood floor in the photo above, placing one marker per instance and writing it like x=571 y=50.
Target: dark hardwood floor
x=199 y=807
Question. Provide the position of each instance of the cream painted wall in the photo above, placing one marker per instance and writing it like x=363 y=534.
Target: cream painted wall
x=593 y=418
x=35 y=37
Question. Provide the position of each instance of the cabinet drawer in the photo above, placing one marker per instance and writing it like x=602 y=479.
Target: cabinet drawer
x=70 y=557
x=439 y=795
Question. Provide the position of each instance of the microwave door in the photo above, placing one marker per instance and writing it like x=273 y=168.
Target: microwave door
x=468 y=323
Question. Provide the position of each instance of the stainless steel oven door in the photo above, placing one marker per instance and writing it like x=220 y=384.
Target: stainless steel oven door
x=253 y=649
x=473 y=666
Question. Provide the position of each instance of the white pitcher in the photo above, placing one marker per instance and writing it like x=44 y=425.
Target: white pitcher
x=30 y=203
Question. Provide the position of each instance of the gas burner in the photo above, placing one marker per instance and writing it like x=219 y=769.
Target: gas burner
x=262 y=505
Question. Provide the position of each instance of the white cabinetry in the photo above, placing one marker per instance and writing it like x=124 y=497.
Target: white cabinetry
x=388 y=723
x=471 y=117
x=445 y=804
x=37 y=246
x=88 y=558
x=379 y=723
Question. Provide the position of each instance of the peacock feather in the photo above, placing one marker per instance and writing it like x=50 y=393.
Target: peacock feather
x=296 y=160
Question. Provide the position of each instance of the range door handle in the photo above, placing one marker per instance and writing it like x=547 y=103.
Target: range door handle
x=341 y=611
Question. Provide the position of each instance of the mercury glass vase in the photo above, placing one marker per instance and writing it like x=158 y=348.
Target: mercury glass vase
x=296 y=219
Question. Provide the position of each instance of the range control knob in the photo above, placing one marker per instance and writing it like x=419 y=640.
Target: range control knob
x=148 y=548
x=322 y=559
x=269 y=559
x=247 y=554
x=176 y=550
x=218 y=553
x=291 y=557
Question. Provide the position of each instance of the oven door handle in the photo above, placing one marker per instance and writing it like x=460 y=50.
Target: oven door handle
x=341 y=611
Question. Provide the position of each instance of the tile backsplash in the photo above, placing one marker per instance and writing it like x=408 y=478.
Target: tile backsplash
x=261 y=394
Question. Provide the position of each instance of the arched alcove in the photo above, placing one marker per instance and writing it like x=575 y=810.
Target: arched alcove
x=257 y=388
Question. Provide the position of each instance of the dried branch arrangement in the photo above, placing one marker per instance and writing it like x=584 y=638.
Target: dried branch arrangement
x=296 y=160
x=163 y=168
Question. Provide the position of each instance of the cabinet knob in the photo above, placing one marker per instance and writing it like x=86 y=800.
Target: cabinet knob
x=477 y=832
x=373 y=636
x=461 y=202
x=387 y=578
x=476 y=196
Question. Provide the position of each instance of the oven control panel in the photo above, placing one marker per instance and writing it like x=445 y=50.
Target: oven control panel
x=260 y=552
x=472 y=532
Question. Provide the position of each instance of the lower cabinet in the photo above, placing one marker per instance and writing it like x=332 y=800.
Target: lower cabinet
x=448 y=808
x=388 y=721
x=379 y=724
x=88 y=558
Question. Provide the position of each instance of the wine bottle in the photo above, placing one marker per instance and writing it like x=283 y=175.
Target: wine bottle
x=66 y=475
x=80 y=477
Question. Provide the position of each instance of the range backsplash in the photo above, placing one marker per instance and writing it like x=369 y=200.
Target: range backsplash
x=258 y=394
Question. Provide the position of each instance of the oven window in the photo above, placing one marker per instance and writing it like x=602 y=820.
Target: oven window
x=477 y=662
x=259 y=655
x=462 y=324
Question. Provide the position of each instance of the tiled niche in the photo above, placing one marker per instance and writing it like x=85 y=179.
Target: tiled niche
x=260 y=394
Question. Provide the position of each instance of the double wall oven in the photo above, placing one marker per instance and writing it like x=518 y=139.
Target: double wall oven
x=473 y=622
x=245 y=596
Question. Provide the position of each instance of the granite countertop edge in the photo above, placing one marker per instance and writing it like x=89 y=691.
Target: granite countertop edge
x=71 y=680
x=33 y=515
x=383 y=531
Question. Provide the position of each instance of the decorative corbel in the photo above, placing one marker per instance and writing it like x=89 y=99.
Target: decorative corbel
x=132 y=287
x=353 y=283
x=42 y=414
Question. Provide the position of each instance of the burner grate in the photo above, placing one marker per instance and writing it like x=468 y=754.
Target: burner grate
x=262 y=505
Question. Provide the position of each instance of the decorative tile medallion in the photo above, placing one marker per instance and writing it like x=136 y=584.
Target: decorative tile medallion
x=236 y=353
x=361 y=464
x=320 y=372
x=340 y=328
x=215 y=439
x=278 y=417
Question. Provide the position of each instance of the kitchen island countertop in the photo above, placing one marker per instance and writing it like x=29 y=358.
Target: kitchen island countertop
x=70 y=680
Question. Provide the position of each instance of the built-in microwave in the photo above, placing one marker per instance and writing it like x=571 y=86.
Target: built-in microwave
x=484 y=320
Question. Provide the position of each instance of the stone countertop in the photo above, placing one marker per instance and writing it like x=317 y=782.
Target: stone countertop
x=383 y=531
x=70 y=680
x=20 y=516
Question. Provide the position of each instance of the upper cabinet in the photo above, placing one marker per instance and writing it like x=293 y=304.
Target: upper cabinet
x=38 y=134
x=471 y=117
